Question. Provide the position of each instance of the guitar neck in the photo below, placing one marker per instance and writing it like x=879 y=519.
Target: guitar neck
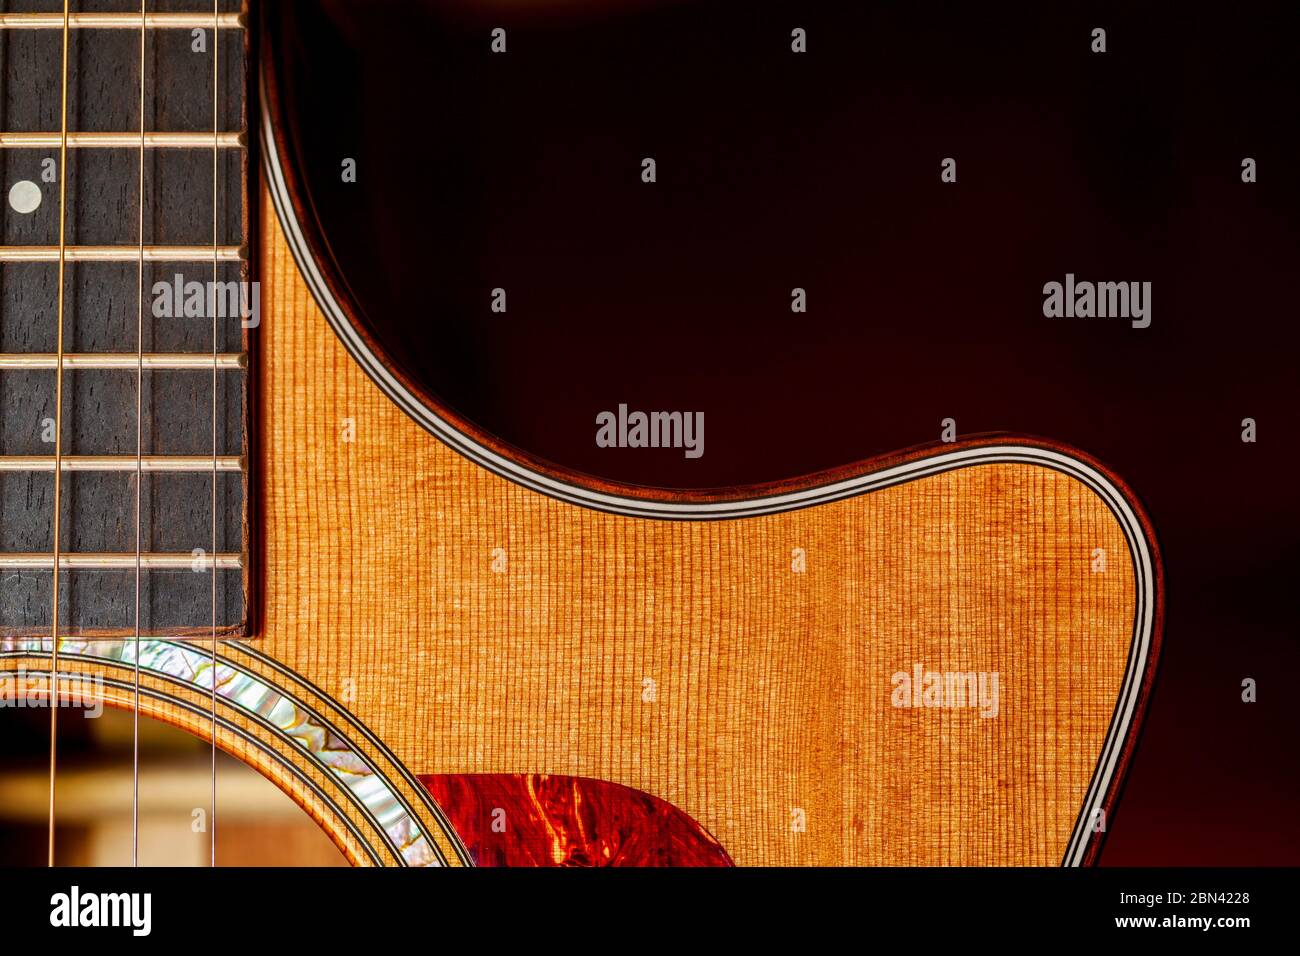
x=124 y=400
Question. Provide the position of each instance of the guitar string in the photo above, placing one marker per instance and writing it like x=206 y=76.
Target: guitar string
x=139 y=450
x=58 y=436
x=212 y=301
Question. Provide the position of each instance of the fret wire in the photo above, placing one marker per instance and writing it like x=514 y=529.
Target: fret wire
x=147 y=463
x=121 y=253
x=156 y=140
x=120 y=21
x=168 y=361
x=120 y=561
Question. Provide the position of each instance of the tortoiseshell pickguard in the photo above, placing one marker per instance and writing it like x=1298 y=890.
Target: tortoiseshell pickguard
x=556 y=820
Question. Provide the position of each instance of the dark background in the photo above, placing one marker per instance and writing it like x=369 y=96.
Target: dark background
x=821 y=170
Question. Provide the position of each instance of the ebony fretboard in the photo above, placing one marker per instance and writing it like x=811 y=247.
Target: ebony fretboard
x=102 y=343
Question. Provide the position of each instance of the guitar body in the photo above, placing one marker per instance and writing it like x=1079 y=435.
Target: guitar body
x=535 y=605
x=688 y=659
x=451 y=628
x=473 y=639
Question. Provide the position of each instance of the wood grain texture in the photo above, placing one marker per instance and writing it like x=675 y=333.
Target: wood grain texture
x=771 y=688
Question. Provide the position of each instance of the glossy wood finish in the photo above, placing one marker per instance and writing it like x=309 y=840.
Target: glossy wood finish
x=771 y=704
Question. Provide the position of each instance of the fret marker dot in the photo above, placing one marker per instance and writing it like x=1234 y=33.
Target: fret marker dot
x=24 y=196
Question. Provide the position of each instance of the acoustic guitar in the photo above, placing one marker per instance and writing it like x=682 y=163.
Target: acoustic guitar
x=356 y=365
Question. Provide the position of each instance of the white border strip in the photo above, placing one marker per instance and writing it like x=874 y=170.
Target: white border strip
x=1143 y=565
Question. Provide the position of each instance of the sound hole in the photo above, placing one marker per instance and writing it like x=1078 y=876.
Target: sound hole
x=256 y=824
